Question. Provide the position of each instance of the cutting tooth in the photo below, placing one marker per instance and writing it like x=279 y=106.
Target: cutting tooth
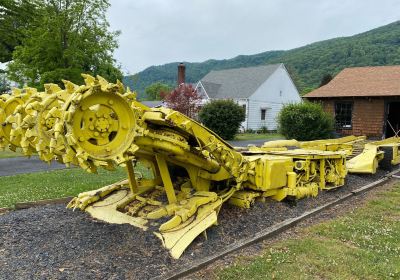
x=51 y=88
x=16 y=92
x=89 y=80
x=103 y=83
x=121 y=87
x=70 y=87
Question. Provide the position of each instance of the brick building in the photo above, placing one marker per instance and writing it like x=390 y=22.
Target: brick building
x=363 y=100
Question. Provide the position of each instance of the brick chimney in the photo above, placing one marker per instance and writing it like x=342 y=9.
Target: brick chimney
x=181 y=73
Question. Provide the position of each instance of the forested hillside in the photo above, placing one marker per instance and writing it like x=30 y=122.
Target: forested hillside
x=307 y=65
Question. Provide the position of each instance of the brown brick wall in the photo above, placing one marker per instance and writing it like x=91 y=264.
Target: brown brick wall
x=367 y=119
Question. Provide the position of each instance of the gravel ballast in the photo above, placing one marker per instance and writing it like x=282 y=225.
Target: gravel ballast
x=51 y=242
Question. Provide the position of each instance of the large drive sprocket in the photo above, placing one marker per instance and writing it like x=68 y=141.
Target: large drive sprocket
x=98 y=123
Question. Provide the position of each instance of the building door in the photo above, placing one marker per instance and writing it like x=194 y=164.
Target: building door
x=392 y=119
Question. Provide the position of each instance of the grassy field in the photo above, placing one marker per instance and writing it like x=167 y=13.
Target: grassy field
x=362 y=245
x=53 y=184
x=256 y=136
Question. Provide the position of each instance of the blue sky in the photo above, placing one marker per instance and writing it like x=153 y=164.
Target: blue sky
x=155 y=32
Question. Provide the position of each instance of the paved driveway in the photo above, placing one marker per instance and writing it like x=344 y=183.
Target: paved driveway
x=18 y=165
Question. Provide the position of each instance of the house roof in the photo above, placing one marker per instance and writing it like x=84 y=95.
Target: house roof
x=236 y=83
x=371 y=81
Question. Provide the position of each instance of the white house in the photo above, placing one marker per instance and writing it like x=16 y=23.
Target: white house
x=261 y=90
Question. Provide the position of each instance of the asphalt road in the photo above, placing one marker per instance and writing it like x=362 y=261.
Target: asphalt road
x=18 y=165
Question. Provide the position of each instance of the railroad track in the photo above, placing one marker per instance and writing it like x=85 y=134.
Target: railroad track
x=274 y=230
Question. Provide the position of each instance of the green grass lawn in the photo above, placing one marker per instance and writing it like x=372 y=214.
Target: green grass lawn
x=53 y=184
x=256 y=136
x=364 y=244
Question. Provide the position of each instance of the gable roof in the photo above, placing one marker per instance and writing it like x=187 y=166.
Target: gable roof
x=238 y=82
x=371 y=81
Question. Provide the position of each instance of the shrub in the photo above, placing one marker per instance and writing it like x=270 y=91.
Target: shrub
x=305 y=121
x=262 y=130
x=184 y=99
x=223 y=117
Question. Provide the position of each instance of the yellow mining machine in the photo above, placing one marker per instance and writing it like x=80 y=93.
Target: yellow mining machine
x=362 y=156
x=189 y=171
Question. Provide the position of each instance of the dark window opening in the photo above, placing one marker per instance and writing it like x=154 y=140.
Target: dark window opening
x=392 y=119
x=244 y=108
x=263 y=113
x=343 y=114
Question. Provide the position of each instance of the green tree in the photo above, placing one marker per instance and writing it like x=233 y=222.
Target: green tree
x=325 y=80
x=305 y=121
x=223 y=117
x=67 y=39
x=15 y=16
x=156 y=90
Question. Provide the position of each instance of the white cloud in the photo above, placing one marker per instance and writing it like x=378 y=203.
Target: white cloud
x=160 y=31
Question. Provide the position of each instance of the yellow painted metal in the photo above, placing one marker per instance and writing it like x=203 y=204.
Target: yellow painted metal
x=244 y=199
x=344 y=144
x=394 y=144
x=10 y=107
x=176 y=241
x=368 y=160
x=131 y=177
x=314 y=170
x=281 y=143
x=166 y=178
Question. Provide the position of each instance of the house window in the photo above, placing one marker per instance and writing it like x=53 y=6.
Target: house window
x=343 y=114
x=244 y=107
x=263 y=113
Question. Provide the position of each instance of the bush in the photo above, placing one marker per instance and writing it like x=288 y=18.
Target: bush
x=262 y=130
x=223 y=117
x=305 y=121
